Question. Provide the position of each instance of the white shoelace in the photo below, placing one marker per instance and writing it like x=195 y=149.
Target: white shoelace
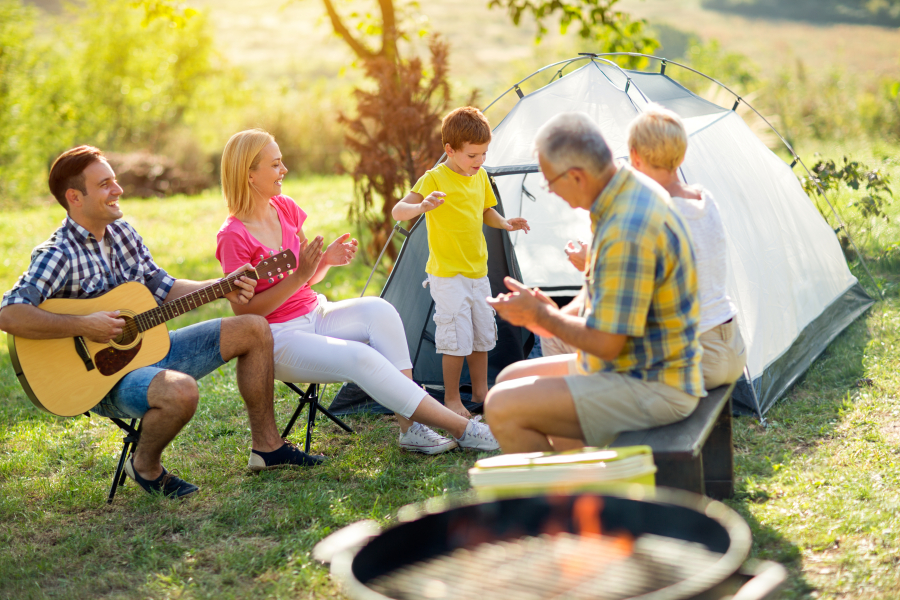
x=480 y=431
x=426 y=432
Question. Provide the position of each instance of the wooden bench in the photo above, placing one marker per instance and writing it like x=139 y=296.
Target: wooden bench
x=696 y=454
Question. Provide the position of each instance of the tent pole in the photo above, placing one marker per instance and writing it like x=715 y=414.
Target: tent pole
x=762 y=419
x=378 y=260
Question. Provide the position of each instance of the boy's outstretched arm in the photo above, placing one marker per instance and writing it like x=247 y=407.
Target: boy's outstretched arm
x=493 y=219
x=414 y=205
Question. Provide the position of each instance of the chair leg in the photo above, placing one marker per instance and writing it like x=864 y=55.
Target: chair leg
x=306 y=397
x=311 y=417
x=129 y=442
x=337 y=420
x=310 y=397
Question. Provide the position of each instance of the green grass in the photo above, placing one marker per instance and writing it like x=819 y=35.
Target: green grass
x=818 y=487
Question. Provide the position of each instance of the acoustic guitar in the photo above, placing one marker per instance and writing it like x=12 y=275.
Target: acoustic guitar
x=69 y=376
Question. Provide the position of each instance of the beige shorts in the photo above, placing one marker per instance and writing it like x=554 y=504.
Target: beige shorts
x=724 y=354
x=610 y=403
x=464 y=320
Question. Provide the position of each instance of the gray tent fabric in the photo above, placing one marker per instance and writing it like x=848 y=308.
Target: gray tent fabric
x=787 y=273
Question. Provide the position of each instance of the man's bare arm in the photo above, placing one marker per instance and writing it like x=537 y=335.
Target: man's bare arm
x=31 y=322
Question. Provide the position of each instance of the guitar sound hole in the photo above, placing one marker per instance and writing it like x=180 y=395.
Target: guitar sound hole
x=129 y=332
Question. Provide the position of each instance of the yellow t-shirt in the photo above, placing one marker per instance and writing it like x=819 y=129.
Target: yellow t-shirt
x=455 y=241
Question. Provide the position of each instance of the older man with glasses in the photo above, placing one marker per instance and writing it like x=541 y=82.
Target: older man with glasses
x=634 y=323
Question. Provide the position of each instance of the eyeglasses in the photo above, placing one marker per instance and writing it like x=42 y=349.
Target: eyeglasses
x=548 y=182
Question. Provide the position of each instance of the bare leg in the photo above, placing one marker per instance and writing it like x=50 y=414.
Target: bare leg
x=452 y=367
x=525 y=413
x=478 y=368
x=548 y=366
x=249 y=339
x=172 y=397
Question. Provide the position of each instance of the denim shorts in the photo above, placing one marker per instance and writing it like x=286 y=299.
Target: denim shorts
x=194 y=351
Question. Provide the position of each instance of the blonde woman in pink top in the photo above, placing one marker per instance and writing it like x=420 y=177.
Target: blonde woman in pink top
x=359 y=340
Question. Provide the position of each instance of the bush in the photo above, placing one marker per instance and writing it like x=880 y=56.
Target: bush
x=145 y=175
x=105 y=79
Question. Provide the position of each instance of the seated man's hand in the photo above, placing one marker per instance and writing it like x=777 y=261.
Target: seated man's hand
x=103 y=326
x=246 y=287
x=577 y=254
x=522 y=306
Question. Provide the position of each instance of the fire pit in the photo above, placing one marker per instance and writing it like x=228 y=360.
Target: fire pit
x=584 y=546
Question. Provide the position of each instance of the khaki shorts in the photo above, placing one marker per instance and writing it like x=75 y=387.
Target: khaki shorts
x=464 y=320
x=610 y=403
x=724 y=354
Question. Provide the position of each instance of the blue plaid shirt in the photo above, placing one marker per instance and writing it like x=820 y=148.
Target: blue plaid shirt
x=70 y=265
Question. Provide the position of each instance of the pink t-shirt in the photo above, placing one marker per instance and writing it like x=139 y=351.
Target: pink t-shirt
x=236 y=247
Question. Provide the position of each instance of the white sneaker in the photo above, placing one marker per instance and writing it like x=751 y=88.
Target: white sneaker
x=419 y=438
x=478 y=436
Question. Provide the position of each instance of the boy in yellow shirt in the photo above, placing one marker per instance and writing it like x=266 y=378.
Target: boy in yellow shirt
x=456 y=199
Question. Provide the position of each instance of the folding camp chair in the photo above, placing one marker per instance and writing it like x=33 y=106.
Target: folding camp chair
x=129 y=442
x=310 y=397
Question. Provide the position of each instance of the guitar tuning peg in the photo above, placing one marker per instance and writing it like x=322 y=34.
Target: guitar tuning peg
x=280 y=248
x=290 y=271
x=279 y=270
x=271 y=280
x=261 y=257
x=271 y=252
x=281 y=276
x=269 y=273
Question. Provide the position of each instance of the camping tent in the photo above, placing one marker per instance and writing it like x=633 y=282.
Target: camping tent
x=787 y=273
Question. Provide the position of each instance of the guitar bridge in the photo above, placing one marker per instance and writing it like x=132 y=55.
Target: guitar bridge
x=83 y=353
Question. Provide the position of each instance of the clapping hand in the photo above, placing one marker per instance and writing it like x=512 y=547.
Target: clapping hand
x=520 y=306
x=432 y=201
x=341 y=251
x=577 y=254
x=309 y=257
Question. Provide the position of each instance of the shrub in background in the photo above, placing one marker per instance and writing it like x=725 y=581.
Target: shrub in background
x=395 y=136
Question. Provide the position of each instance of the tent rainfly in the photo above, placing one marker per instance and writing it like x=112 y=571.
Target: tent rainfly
x=787 y=273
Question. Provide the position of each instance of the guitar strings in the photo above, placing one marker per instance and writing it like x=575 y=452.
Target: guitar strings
x=148 y=319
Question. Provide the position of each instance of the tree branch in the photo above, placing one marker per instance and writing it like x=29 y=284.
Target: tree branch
x=339 y=28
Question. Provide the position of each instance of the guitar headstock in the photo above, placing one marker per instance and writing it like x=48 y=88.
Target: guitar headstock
x=277 y=265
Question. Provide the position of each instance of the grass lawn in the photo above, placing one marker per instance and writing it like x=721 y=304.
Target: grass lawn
x=818 y=487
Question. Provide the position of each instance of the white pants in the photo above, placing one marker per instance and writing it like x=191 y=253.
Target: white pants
x=360 y=340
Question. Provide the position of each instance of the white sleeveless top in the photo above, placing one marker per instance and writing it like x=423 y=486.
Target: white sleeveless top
x=711 y=255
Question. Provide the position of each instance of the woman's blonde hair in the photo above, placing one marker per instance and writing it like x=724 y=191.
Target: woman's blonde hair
x=242 y=155
x=659 y=137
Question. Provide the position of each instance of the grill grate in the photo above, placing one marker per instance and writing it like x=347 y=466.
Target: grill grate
x=565 y=565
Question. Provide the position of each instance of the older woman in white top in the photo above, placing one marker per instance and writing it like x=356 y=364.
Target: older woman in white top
x=657 y=143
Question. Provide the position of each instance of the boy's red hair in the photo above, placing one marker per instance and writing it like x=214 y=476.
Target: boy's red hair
x=465 y=125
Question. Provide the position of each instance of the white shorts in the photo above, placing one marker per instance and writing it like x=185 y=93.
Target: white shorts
x=464 y=320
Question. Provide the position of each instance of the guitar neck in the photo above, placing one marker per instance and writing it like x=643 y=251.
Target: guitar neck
x=179 y=306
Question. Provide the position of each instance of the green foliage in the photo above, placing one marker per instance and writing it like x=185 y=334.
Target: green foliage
x=167 y=10
x=853 y=174
x=597 y=21
x=141 y=93
x=142 y=87
x=36 y=113
x=732 y=69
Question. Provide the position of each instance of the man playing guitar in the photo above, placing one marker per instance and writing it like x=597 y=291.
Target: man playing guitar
x=94 y=251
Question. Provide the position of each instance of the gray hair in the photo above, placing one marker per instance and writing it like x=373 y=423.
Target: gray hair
x=573 y=140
